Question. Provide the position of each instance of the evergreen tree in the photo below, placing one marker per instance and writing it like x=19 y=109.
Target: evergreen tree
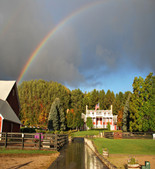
x=57 y=116
x=77 y=105
x=142 y=113
x=70 y=119
x=79 y=122
x=125 y=120
x=85 y=101
x=77 y=100
x=93 y=99
x=148 y=104
x=102 y=99
x=109 y=99
x=135 y=104
x=117 y=105
x=35 y=100
x=53 y=117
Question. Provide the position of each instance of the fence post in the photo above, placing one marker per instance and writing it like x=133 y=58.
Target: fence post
x=39 y=141
x=5 y=140
x=55 y=144
x=22 y=140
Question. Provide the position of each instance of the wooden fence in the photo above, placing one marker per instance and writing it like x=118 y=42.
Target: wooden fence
x=137 y=135
x=129 y=135
x=108 y=135
x=33 y=140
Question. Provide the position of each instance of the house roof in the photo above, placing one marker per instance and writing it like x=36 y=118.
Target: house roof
x=5 y=88
x=7 y=112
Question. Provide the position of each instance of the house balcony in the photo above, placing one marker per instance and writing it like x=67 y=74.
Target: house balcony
x=99 y=114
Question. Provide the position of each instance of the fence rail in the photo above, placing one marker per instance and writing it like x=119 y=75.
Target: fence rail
x=129 y=135
x=33 y=140
x=138 y=135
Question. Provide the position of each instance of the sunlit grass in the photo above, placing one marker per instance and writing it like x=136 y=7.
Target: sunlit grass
x=84 y=133
x=126 y=146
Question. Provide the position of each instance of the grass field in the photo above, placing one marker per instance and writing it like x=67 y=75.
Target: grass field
x=9 y=151
x=91 y=132
x=126 y=146
x=84 y=133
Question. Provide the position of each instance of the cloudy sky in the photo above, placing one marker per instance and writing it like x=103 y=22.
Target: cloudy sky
x=101 y=44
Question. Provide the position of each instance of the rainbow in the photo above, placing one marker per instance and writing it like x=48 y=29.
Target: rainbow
x=51 y=33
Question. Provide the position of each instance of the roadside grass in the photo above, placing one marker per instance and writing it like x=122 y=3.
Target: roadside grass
x=13 y=151
x=125 y=146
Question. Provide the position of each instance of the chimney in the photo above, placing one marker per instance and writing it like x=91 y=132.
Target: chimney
x=111 y=108
x=86 y=108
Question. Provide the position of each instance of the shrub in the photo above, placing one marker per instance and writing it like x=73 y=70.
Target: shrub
x=50 y=132
x=108 y=126
x=105 y=149
x=27 y=130
x=132 y=160
x=40 y=131
x=89 y=122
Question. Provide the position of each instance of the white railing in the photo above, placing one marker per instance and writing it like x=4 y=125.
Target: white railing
x=96 y=114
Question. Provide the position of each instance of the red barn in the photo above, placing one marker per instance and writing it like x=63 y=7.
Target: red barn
x=9 y=107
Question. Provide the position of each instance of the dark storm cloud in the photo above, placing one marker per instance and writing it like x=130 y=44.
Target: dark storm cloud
x=94 y=44
x=22 y=27
x=59 y=60
x=123 y=33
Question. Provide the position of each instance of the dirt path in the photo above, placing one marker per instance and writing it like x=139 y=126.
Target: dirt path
x=121 y=160
x=27 y=161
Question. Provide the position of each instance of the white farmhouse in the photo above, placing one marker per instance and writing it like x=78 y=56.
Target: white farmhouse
x=101 y=118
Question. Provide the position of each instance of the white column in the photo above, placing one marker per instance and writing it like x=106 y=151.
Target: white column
x=102 y=121
x=95 y=122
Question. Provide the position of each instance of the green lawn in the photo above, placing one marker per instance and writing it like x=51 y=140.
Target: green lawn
x=84 y=133
x=9 y=151
x=90 y=132
x=126 y=146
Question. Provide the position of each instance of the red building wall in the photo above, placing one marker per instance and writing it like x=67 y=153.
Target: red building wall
x=10 y=126
x=13 y=100
x=0 y=123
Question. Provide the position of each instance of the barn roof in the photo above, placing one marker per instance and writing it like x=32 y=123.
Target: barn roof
x=5 y=88
x=7 y=112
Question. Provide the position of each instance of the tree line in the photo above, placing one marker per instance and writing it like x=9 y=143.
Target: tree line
x=50 y=103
